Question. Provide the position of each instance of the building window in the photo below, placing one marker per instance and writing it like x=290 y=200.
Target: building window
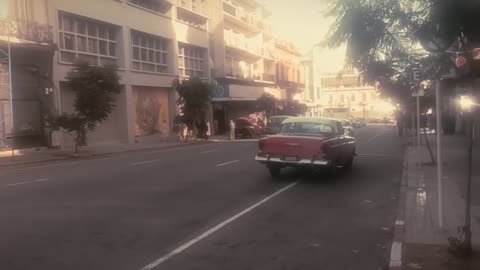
x=191 y=61
x=353 y=98
x=149 y=52
x=342 y=98
x=157 y=6
x=364 y=97
x=86 y=40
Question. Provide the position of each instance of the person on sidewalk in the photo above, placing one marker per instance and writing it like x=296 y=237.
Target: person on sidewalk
x=232 y=130
x=400 y=117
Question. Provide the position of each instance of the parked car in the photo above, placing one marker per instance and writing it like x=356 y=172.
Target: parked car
x=246 y=129
x=274 y=124
x=307 y=142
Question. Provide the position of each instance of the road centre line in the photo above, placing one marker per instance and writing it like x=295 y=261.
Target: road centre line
x=208 y=151
x=146 y=162
x=212 y=230
x=27 y=182
x=228 y=163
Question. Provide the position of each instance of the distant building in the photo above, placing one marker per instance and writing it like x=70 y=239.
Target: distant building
x=340 y=94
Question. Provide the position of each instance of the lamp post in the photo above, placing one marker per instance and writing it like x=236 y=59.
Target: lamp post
x=464 y=246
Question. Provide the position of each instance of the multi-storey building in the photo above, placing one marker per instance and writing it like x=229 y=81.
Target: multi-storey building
x=151 y=41
x=26 y=50
x=340 y=93
x=243 y=52
x=289 y=69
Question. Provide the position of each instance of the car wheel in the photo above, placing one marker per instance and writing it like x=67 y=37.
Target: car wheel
x=275 y=171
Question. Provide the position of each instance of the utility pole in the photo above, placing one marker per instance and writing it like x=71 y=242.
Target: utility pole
x=438 y=130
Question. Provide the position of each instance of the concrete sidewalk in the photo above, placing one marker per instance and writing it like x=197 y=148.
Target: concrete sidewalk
x=425 y=243
x=42 y=154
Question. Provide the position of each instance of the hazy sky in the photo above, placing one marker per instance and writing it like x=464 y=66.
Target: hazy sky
x=303 y=23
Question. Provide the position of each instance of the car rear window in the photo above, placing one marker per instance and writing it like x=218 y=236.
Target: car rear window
x=309 y=128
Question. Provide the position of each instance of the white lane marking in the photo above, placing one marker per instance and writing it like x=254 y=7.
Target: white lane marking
x=146 y=162
x=376 y=136
x=396 y=255
x=227 y=163
x=214 y=229
x=399 y=222
x=208 y=151
x=27 y=182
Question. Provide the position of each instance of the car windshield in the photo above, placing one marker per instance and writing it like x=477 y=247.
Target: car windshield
x=308 y=128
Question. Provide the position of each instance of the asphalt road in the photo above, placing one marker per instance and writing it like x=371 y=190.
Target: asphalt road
x=208 y=206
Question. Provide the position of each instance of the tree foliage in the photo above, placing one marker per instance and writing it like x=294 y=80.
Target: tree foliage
x=193 y=98
x=294 y=108
x=95 y=88
x=268 y=103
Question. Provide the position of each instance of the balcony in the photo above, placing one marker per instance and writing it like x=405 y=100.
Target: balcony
x=241 y=19
x=268 y=77
x=192 y=10
x=26 y=31
x=268 y=54
x=241 y=45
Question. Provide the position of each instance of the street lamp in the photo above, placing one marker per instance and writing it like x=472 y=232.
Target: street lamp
x=466 y=103
x=463 y=245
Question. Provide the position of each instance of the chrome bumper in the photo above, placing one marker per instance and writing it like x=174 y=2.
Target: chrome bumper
x=299 y=162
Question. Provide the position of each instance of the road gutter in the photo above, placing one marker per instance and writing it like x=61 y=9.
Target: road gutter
x=399 y=229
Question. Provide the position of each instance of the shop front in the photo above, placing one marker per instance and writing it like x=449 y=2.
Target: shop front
x=231 y=101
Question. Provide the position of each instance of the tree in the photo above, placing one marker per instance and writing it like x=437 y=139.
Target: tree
x=294 y=108
x=95 y=88
x=193 y=99
x=268 y=103
x=383 y=39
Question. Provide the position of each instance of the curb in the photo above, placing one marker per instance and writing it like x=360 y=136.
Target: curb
x=399 y=229
x=93 y=156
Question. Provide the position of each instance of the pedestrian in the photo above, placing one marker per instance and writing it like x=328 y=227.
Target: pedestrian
x=400 y=117
x=232 y=130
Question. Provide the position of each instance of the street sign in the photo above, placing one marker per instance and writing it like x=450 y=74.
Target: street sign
x=419 y=93
x=417 y=75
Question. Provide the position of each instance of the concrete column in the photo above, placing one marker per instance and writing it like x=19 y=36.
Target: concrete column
x=128 y=112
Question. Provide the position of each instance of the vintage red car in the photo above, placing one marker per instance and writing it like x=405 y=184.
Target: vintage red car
x=308 y=142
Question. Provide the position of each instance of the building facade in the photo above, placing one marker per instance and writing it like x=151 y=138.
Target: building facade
x=340 y=93
x=289 y=69
x=227 y=43
x=26 y=63
x=151 y=41
x=243 y=53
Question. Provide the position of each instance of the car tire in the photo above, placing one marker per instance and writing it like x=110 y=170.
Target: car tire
x=275 y=171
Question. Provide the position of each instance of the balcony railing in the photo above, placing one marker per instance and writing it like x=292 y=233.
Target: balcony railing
x=30 y=31
x=241 y=43
x=268 y=77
